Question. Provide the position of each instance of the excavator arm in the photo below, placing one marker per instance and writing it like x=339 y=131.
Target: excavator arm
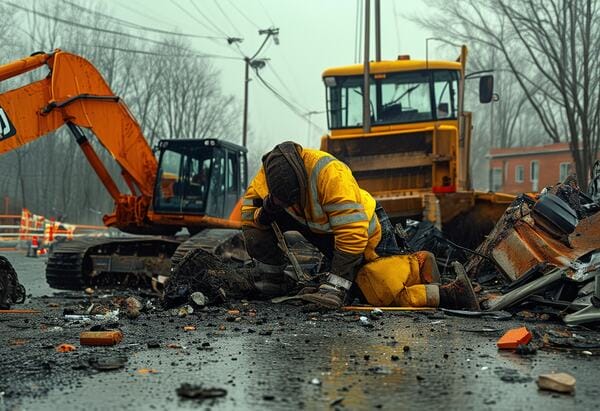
x=75 y=93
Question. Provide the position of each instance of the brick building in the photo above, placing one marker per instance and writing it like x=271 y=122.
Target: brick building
x=528 y=169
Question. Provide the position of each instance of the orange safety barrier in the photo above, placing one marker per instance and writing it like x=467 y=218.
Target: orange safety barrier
x=21 y=231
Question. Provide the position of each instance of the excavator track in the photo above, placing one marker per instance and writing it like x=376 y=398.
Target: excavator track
x=109 y=262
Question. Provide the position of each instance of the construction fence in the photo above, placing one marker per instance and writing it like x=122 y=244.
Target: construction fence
x=31 y=230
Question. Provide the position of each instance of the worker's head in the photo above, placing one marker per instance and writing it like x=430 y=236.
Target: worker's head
x=283 y=167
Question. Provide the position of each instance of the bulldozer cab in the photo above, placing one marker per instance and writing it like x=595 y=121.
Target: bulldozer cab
x=205 y=177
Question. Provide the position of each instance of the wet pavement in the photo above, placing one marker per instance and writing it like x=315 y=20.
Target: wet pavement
x=278 y=357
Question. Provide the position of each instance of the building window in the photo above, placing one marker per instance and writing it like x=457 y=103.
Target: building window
x=496 y=179
x=564 y=171
x=519 y=174
x=534 y=173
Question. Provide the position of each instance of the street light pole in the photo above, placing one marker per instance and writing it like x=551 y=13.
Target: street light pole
x=248 y=62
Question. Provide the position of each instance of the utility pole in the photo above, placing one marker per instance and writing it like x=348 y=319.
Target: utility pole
x=377 y=30
x=256 y=64
x=366 y=77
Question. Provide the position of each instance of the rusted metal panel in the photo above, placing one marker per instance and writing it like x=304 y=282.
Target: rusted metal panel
x=523 y=245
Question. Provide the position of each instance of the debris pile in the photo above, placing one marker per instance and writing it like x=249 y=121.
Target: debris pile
x=11 y=291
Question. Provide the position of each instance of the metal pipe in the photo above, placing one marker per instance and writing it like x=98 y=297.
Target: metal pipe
x=377 y=30
x=366 y=76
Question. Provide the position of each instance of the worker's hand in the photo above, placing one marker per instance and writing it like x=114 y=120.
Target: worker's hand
x=268 y=212
x=271 y=205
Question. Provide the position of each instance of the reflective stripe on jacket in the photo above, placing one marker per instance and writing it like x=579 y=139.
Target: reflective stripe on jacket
x=335 y=204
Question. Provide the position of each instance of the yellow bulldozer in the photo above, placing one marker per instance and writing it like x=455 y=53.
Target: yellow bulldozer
x=411 y=152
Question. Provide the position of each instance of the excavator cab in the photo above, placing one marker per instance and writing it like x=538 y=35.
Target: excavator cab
x=205 y=177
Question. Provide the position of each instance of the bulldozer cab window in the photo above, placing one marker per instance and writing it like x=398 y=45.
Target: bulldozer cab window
x=446 y=93
x=395 y=98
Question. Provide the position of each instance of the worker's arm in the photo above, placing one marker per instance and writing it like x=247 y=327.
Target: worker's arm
x=253 y=201
x=341 y=200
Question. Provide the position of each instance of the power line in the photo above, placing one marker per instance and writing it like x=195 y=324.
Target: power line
x=139 y=26
x=153 y=53
x=83 y=26
x=285 y=86
x=217 y=28
x=227 y=18
x=266 y=12
x=187 y=13
x=139 y=11
x=287 y=103
x=242 y=14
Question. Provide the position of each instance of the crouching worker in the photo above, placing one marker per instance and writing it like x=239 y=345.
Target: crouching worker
x=312 y=192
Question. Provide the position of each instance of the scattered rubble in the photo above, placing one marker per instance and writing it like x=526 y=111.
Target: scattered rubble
x=65 y=348
x=96 y=338
x=133 y=307
x=514 y=338
x=11 y=291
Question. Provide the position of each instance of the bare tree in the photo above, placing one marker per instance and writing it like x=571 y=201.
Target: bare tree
x=551 y=47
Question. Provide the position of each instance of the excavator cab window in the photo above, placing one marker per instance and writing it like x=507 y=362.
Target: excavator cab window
x=198 y=177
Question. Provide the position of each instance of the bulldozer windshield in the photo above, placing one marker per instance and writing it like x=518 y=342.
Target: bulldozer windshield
x=395 y=98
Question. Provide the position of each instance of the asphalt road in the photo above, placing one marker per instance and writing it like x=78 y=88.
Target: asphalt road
x=279 y=357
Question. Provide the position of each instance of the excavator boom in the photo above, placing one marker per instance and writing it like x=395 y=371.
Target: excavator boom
x=76 y=94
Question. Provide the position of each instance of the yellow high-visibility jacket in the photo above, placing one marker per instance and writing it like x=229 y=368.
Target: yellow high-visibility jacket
x=335 y=205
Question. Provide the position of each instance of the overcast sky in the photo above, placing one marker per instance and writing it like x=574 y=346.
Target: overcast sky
x=314 y=35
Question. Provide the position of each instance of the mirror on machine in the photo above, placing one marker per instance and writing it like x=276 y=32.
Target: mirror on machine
x=486 y=88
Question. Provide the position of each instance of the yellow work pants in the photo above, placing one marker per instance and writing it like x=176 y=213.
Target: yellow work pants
x=401 y=281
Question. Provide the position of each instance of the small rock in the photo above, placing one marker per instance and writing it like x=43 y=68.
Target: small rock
x=559 y=382
x=376 y=313
x=407 y=348
x=315 y=381
x=133 y=306
x=198 y=392
x=185 y=311
x=89 y=291
x=198 y=298
x=364 y=321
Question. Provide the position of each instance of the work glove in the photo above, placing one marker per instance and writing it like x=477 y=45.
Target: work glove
x=268 y=212
x=345 y=265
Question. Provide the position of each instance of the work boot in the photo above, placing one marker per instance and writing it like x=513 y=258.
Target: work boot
x=271 y=281
x=459 y=294
x=330 y=294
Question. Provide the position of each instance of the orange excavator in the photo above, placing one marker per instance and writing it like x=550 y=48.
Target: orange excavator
x=192 y=183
